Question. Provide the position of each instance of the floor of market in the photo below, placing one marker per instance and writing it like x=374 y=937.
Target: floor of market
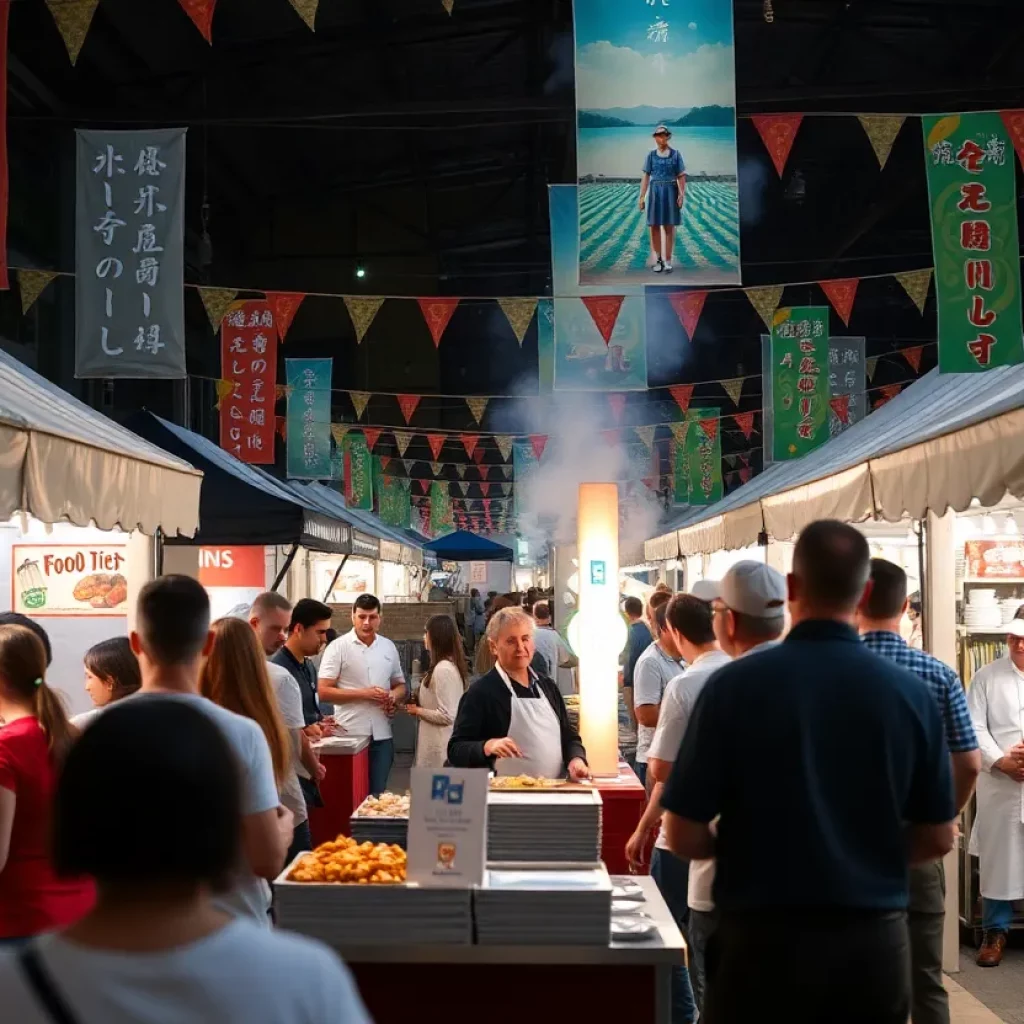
x=982 y=995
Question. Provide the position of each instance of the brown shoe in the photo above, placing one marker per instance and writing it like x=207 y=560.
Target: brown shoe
x=991 y=952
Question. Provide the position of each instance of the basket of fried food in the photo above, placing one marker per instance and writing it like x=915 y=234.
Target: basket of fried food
x=348 y=861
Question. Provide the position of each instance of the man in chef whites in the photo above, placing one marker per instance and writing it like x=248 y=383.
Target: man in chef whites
x=996 y=700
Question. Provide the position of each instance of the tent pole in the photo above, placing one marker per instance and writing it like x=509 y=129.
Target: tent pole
x=335 y=579
x=287 y=565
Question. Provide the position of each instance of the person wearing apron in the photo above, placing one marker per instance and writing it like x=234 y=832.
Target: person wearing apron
x=512 y=719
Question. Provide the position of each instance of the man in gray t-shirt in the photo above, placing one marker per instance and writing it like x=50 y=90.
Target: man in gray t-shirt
x=549 y=643
x=654 y=669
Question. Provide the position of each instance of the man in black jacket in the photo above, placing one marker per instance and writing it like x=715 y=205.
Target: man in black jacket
x=512 y=719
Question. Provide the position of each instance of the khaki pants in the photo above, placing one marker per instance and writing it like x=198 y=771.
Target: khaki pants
x=930 y=1004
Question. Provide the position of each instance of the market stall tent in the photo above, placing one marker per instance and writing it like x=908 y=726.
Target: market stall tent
x=65 y=462
x=462 y=546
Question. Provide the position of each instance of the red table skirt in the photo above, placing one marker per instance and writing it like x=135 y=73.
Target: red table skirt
x=623 y=806
x=345 y=786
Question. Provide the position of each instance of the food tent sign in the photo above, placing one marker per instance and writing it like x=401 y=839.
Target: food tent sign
x=69 y=579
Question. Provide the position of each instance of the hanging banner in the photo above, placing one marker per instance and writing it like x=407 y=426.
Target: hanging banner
x=640 y=66
x=358 y=472
x=248 y=359
x=680 y=472
x=611 y=356
x=442 y=520
x=973 y=196
x=847 y=383
x=394 y=505
x=309 y=418
x=545 y=346
x=704 y=457
x=129 y=254
x=799 y=361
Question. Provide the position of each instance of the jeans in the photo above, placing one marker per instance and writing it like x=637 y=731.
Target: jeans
x=996 y=915
x=640 y=767
x=929 y=1001
x=302 y=839
x=701 y=926
x=382 y=757
x=671 y=875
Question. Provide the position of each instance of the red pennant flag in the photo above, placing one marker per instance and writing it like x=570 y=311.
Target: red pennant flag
x=284 y=306
x=487 y=507
x=841 y=407
x=384 y=462
x=424 y=486
x=778 y=132
x=841 y=294
x=745 y=421
x=605 y=311
x=1014 y=121
x=745 y=474
x=611 y=437
x=485 y=489
x=282 y=427
x=618 y=404
x=408 y=403
x=201 y=13
x=688 y=307
x=745 y=459
x=682 y=393
x=478 y=458
x=436 y=442
x=710 y=428
x=437 y=313
x=469 y=442
x=913 y=356
x=538 y=442
x=371 y=434
x=891 y=390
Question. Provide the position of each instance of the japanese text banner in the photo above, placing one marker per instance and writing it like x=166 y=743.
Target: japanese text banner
x=358 y=472
x=973 y=197
x=248 y=358
x=309 y=418
x=129 y=254
x=800 y=389
x=703 y=459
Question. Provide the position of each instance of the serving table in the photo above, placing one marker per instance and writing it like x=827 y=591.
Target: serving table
x=345 y=786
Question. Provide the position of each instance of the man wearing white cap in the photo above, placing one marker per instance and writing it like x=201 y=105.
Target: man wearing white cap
x=995 y=698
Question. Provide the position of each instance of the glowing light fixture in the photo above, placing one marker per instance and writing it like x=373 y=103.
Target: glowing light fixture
x=599 y=627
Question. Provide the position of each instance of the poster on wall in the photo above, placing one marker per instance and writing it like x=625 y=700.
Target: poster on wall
x=800 y=397
x=478 y=573
x=972 y=190
x=69 y=579
x=233 y=577
x=656 y=146
x=309 y=418
x=600 y=340
x=994 y=559
x=356 y=577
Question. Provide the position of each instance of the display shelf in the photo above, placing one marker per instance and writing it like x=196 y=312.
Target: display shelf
x=1016 y=581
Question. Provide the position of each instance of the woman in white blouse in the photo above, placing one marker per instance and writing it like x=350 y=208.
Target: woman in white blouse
x=440 y=692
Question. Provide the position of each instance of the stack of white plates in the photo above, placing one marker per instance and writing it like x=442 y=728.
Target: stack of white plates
x=544 y=907
x=983 y=610
x=551 y=827
x=1009 y=609
x=982 y=597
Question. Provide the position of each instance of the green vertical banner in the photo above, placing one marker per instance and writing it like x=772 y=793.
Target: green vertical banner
x=681 y=468
x=524 y=465
x=393 y=497
x=800 y=388
x=358 y=472
x=546 y=346
x=704 y=456
x=442 y=520
x=309 y=418
x=972 y=192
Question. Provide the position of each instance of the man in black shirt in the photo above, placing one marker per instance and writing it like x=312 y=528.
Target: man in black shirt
x=829 y=770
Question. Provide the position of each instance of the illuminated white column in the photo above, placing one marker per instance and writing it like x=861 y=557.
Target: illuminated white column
x=601 y=629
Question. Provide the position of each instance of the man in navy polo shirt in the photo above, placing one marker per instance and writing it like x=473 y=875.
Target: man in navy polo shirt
x=829 y=769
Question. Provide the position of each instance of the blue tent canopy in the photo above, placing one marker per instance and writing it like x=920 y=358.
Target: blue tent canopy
x=462 y=546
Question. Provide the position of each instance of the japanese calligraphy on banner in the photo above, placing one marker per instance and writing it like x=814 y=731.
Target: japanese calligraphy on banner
x=129 y=254
x=704 y=456
x=358 y=472
x=641 y=64
x=248 y=358
x=973 y=196
x=800 y=398
x=309 y=418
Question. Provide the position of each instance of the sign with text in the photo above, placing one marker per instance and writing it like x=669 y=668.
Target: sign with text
x=358 y=472
x=703 y=458
x=244 y=566
x=69 y=579
x=478 y=572
x=129 y=254
x=994 y=559
x=309 y=418
x=800 y=383
x=448 y=827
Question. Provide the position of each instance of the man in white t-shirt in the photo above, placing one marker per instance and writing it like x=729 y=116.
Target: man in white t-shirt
x=361 y=675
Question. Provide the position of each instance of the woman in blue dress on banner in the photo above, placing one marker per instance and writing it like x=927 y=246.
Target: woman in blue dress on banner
x=661 y=195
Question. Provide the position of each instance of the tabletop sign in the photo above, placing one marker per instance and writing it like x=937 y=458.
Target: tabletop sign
x=448 y=827
x=69 y=579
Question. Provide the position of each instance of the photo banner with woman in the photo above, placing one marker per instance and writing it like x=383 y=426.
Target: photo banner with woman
x=656 y=142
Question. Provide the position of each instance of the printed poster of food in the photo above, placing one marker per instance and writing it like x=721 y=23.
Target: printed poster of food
x=69 y=579
x=995 y=559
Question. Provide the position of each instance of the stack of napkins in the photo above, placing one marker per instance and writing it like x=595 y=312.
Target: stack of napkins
x=544 y=907
x=542 y=826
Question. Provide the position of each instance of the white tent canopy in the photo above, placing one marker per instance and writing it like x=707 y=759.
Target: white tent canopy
x=61 y=461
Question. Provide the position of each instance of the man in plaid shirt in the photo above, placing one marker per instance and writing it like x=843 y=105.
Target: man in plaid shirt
x=879 y=619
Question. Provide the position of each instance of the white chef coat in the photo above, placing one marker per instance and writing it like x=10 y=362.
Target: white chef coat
x=537 y=733
x=996 y=702
x=349 y=664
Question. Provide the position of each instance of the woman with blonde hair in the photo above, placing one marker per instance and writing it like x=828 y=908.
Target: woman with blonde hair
x=34 y=739
x=440 y=692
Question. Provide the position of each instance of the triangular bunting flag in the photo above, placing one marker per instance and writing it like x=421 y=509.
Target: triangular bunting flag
x=778 y=132
x=486 y=502
x=408 y=403
x=224 y=389
x=1014 y=121
x=403 y=438
x=306 y=10
x=710 y=428
x=733 y=388
x=870 y=365
x=841 y=407
x=360 y=400
x=32 y=284
x=485 y=489
x=284 y=306
x=460 y=468
x=461 y=488
x=605 y=311
x=680 y=430
x=504 y=445
x=538 y=442
x=449 y=6
x=281 y=425
x=338 y=432
x=841 y=294
x=361 y=311
x=436 y=442
x=730 y=460
x=469 y=442
x=408 y=464
x=201 y=13
x=519 y=313
x=682 y=393
x=745 y=474
x=611 y=437
x=765 y=301
x=688 y=307
x=881 y=130
x=372 y=434
x=916 y=284
x=435 y=468
x=424 y=486
x=478 y=457
x=437 y=313
x=890 y=391
x=744 y=458
x=73 y=18
x=385 y=461
x=618 y=404
x=745 y=421
x=507 y=472
x=913 y=356
x=477 y=406
x=217 y=302
x=646 y=434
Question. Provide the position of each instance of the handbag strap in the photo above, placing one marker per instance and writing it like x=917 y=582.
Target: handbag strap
x=42 y=985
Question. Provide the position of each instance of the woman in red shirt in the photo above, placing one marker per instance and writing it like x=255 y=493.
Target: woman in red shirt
x=33 y=739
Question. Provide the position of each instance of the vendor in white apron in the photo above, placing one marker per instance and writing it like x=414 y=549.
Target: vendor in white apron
x=996 y=701
x=512 y=719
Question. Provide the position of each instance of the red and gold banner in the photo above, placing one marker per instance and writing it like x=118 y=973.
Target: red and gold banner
x=778 y=132
x=605 y=311
x=688 y=307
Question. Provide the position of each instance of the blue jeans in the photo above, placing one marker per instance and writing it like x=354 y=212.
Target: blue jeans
x=640 y=767
x=671 y=875
x=302 y=840
x=382 y=757
x=996 y=915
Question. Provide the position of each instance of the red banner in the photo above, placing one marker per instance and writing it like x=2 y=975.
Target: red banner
x=284 y=306
x=605 y=311
x=688 y=307
x=778 y=131
x=841 y=294
x=248 y=358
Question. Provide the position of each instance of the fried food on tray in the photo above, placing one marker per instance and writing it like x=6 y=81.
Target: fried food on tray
x=98 y=585
x=387 y=805
x=347 y=862
x=523 y=782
